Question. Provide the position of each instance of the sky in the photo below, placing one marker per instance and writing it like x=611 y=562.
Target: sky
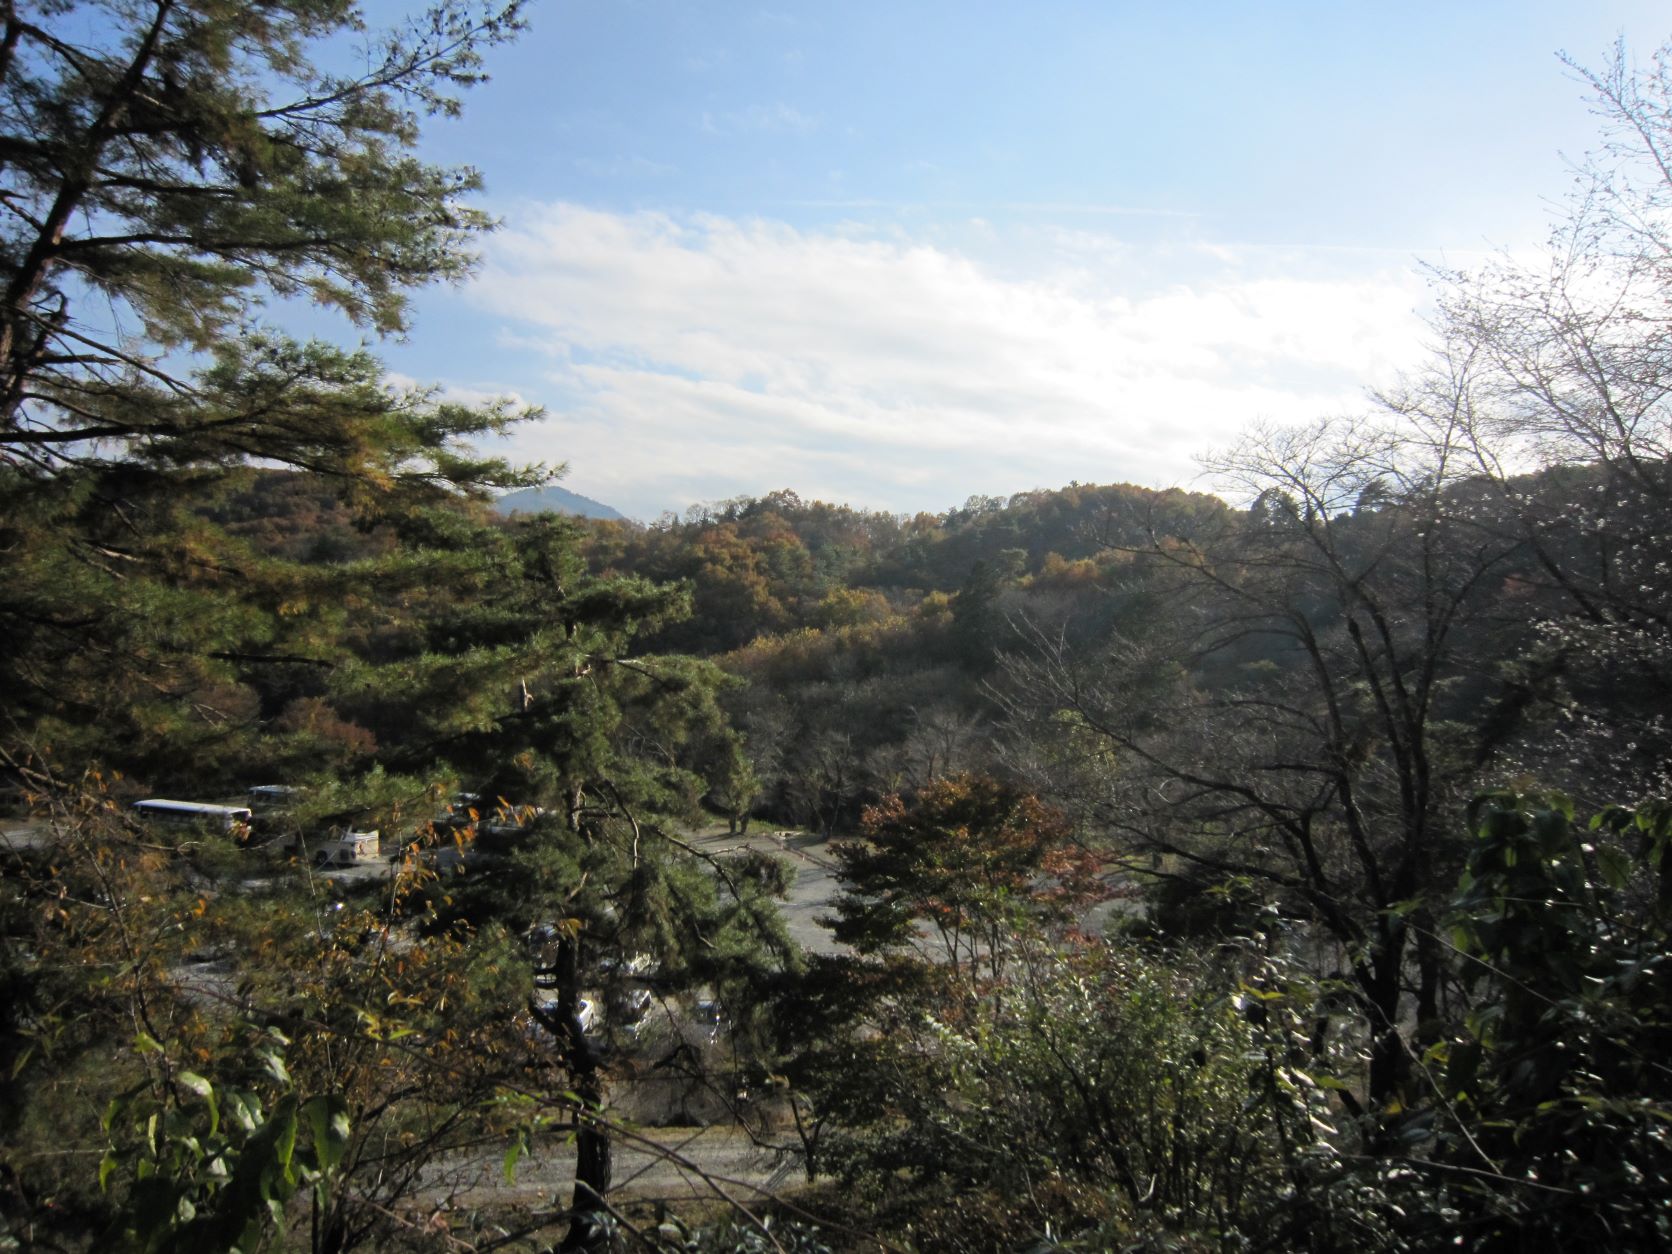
x=896 y=254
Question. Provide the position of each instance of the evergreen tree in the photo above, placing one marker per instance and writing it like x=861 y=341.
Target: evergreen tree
x=172 y=165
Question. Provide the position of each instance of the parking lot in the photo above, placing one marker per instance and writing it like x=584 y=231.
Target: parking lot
x=811 y=891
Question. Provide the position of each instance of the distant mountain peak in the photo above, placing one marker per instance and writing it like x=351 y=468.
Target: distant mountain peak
x=554 y=500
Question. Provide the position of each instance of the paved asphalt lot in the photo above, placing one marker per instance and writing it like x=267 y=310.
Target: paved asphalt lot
x=812 y=890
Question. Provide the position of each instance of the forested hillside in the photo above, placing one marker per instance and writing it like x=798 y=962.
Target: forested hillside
x=1282 y=868
x=871 y=646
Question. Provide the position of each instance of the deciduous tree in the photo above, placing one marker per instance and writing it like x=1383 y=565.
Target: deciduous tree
x=1306 y=712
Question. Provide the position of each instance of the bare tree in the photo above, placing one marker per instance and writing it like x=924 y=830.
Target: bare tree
x=1297 y=715
x=943 y=740
x=1553 y=379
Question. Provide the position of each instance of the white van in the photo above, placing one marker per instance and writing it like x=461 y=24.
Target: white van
x=350 y=849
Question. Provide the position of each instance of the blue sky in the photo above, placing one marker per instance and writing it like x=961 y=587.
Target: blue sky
x=894 y=254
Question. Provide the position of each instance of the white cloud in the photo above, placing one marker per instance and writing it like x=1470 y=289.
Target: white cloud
x=697 y=357
x=458 y=393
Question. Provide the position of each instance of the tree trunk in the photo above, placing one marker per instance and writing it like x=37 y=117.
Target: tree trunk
x=594 y=1166
x=593 y=1159
x=1389 y=1059
x=1430 y=969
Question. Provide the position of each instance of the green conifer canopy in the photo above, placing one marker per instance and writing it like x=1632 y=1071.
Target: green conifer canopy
x=169 y=169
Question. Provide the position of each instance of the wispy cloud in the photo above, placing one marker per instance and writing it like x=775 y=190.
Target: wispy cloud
x=1095 y=210
x=694 y=357
x=1048 y=209
x=771 y=119
x=616 y=167
x=705 y=62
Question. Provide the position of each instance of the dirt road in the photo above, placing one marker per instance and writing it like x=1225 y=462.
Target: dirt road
x=658 y=1164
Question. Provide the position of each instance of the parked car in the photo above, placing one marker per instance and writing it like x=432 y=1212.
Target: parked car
x=706 y=1021
x=586 y=1011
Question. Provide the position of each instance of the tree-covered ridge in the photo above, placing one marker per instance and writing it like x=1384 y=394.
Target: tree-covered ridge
x=778 y=562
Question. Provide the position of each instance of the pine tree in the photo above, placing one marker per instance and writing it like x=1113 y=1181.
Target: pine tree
x=173 y=166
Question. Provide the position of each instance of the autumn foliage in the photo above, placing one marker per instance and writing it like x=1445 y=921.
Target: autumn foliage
x=975 y=860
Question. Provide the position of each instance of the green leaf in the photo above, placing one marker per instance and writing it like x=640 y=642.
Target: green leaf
x=1615 y=865
x=197 y=1084
x=514 y=1155
x=328 y=1125
x=274 y=1066
x=284 y=1138
x=243 y=1109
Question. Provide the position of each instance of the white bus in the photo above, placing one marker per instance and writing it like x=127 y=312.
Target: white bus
x=234 y=820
